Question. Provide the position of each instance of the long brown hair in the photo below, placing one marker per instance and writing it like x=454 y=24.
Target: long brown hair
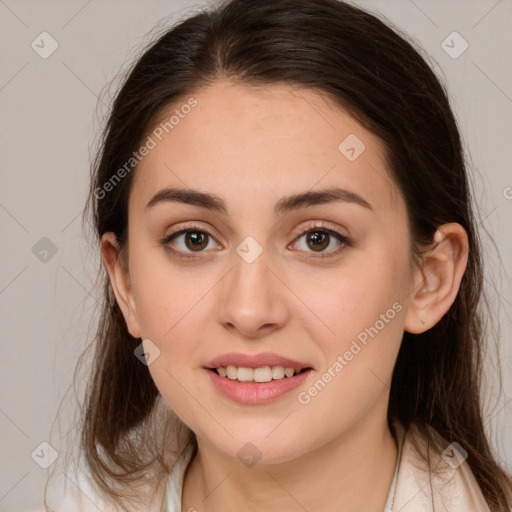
x=371 y=70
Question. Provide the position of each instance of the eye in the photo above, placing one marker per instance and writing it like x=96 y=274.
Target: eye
x=318 y=238
x=193 y=239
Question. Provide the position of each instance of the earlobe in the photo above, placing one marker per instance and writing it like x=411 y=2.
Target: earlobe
x=120 y=282
x=438 y=280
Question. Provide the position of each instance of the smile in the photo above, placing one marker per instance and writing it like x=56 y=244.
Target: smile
x=251 y=392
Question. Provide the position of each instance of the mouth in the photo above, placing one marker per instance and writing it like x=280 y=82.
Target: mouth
x=265 y=365
x=253 y=379
x=244 y=389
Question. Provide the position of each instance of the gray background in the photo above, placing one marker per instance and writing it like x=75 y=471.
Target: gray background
x=51 y=116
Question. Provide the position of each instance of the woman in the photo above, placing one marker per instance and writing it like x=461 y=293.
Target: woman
x=292 y=298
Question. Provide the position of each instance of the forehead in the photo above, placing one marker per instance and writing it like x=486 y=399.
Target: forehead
x=262 y=143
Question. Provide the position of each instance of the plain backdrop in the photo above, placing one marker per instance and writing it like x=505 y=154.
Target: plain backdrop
x=51 y=117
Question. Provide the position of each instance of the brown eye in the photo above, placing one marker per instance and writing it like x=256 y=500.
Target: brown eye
x=317 y=240
x=196 y=240
x=187 y=242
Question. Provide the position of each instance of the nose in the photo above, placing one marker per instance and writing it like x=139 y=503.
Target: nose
x=253 y=298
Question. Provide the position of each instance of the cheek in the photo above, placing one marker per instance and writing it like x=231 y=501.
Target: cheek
x=358 y=326
x=342 y=303
x=165 y=295
x=367 y=333
x=170 y=303
x=359 y=358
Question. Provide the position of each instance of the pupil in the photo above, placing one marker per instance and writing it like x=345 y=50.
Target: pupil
x=198 y=240
x=317 y=237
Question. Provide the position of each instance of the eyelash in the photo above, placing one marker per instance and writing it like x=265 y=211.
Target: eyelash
x=315 y=227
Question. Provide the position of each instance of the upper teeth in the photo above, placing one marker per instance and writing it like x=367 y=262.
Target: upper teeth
x=262 y=374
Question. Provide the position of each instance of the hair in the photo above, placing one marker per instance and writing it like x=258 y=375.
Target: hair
x=371 y=70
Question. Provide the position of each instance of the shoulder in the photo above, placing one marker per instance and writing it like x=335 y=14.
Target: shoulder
x=434 y=478
x=73 y=490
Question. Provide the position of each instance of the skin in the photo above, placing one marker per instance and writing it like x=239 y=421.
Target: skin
x=252 y=147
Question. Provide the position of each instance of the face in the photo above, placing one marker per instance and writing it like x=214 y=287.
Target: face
x=323 y=282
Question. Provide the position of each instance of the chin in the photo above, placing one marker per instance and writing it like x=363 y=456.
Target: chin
x=261 y=449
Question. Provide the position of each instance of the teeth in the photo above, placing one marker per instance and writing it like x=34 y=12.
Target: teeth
x=245 y=374
x=262 y=374
x=289 y=372
x=277 y=372
x=232 y=372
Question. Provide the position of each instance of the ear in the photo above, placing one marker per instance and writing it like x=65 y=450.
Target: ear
x=120 y=281
x=438 y=280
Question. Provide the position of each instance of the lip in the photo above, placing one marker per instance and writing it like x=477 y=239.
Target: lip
x=255 y=361
x=253 y=393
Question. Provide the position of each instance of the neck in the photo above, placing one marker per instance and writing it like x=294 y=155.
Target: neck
x=336 y=476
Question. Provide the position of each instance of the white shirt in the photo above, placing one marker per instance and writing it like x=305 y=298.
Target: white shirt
x=417 y=486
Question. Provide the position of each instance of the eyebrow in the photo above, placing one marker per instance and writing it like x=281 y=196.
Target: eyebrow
x=286 y=204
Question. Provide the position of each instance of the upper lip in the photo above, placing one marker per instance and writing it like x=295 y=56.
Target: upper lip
x=255 y=361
